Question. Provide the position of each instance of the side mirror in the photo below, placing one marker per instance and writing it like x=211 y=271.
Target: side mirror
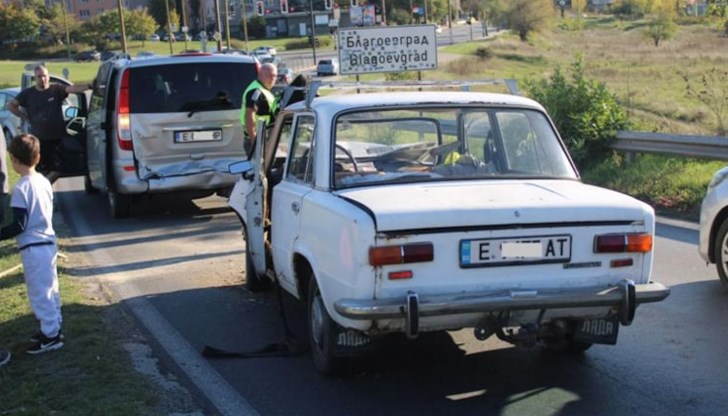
x=71 y=112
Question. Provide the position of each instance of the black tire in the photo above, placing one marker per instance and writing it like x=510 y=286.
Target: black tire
x=87 y=187
x=322 y=333
x=720 y=253
x=253 y=282
x=119 y=204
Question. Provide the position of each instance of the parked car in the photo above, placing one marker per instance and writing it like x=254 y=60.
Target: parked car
x=87 y=56
x=262 y=56
x=10 y=124
x=265 y=50
x=713 y=240
x=285 y=75
x=145 y=54
x=165 y=124
x=154 y=37
x=327 y=67
x=166 y=38
x=412 y=212
x=106 y=55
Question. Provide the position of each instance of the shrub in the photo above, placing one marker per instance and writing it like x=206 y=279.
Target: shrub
x=483 y=53
x=586 y=114
x=401 y=76
x=303 y=43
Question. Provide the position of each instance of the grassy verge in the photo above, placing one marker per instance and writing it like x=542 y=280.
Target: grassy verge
x=90 y=375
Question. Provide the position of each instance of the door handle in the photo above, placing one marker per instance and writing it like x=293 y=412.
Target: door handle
x=295 y=207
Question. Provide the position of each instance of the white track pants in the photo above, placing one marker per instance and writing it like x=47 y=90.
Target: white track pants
x=41 y=280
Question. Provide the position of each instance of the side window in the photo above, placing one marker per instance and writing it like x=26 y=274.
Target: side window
x=300 y=165
x=3 y=100
x=100 y=86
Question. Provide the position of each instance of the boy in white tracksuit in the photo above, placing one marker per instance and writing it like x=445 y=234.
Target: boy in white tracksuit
x=32 y=205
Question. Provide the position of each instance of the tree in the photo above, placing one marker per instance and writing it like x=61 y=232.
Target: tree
x=585 y=112
x=17 y=25
x=55 y=24
x=157 y=10
x=140 y=24
x=526 y=16
x=660 y=28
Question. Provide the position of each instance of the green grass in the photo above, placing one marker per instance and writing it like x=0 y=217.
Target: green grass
x=91 y=375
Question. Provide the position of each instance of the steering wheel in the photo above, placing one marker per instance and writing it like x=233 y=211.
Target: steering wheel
x=349 y=155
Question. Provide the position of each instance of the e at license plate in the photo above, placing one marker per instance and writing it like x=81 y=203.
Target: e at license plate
x=515 y=251
x=188 y=136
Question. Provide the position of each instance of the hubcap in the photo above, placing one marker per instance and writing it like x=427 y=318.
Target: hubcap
x=723 y=260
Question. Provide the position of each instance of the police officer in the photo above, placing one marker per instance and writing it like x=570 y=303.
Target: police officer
x=258 y=103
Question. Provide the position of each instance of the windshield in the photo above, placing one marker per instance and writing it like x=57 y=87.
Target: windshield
x=434 y=144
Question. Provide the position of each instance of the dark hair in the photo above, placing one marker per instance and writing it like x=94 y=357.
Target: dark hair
x=25 y=148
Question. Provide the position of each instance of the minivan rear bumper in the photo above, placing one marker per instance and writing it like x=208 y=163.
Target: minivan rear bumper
x=209 y=180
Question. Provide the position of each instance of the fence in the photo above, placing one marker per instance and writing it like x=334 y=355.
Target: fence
x=706 y=147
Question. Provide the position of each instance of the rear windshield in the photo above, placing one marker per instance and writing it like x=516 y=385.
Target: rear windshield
x=326 y=62
x=189 y=87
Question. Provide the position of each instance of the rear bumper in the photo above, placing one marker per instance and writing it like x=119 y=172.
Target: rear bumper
x=625 y=296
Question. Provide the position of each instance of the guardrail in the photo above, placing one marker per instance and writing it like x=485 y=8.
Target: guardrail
x=707 y=147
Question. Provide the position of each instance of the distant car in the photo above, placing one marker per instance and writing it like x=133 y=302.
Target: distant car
x=262 y=56
x=232 y=51
x=106 y=55
x=285 y=75
x=154 y=38
x=145 y=54
x=327 y=67
x=713 y=240
x=166 y=38
x=10 y=123
x=87 y=56
x=269 y=50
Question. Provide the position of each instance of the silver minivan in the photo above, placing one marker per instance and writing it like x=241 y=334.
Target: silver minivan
x=165 y=124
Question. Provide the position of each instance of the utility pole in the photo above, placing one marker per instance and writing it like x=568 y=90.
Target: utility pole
x=384 y=12
x=313 y=30
x=123 y=27
x=227 y=23
x=65 y=25
x=217 y=25
x=184 y=22
x=245 y=25
x=169 y=25
x=425 y=1
x=449 y=20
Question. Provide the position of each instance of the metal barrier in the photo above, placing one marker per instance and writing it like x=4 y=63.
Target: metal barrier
x=707 y=147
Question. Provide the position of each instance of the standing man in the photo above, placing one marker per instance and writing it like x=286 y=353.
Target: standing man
x=258 y=103
x=42 y=108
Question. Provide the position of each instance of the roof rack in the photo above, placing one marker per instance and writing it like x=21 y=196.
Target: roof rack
x=313 y=88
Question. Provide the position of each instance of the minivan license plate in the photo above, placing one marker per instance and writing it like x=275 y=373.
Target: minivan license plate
x=187 y=136
x=515 y=251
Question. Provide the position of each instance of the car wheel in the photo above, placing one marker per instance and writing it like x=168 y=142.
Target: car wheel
x=721 y=253
x=119 y=204
x=253 y=282
x=87 y=186
x=321 y=333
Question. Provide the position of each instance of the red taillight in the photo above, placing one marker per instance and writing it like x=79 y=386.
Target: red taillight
x=123 y=123
x=623 y=243
x=407 y=253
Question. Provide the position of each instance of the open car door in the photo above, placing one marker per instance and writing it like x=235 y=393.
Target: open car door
x=256 y=205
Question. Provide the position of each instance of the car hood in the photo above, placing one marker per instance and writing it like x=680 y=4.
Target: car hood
x=502 y=202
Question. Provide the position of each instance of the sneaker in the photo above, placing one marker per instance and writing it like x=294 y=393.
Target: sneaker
x=37 y=336
x=46 y=344
x=4 y=357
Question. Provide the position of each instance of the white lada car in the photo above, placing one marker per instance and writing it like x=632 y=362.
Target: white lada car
x=410 y=212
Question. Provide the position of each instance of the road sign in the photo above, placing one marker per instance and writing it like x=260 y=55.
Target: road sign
x=387 y=49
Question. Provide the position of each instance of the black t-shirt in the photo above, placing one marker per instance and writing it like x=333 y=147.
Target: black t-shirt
x=45 y=111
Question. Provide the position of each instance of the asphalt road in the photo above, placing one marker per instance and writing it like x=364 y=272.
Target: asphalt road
x=178 y=267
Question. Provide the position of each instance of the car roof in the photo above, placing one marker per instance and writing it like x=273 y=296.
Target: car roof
x=335 y=103
x=11 y=90
x=181 y=59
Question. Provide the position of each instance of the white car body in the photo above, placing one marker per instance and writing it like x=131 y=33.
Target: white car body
x=321 y=230
x=713 y=241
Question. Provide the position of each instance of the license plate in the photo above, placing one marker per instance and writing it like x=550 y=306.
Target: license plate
x=598 y=331
x=515 y=251
x=188 y=136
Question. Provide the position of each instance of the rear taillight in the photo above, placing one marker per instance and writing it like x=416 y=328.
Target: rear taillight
x=400 y=254
x=123 y=123
x=623 y=243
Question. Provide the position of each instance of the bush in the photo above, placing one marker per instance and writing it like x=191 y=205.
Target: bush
x=586 y=114
x=483 y=53
x=303 y=43
x=401 y=76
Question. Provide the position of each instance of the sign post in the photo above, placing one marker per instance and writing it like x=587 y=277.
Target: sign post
x=387 y=49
